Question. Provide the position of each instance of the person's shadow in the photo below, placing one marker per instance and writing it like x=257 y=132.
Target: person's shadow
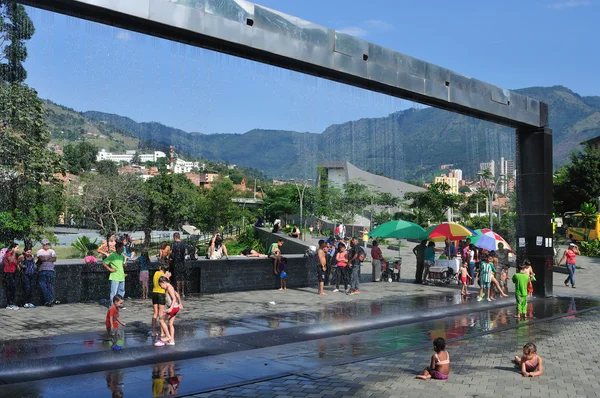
x=513 y=369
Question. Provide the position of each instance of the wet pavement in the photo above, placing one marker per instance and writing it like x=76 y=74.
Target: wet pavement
x=86 y=352
x=269 y=354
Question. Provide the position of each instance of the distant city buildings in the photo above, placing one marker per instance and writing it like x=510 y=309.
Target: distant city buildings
x=451 y=181
x=488 y=166
x=180 y=166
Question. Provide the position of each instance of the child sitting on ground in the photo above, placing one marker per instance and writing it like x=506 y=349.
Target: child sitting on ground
x=440 y=362
x=530 y=362
x=464 y=278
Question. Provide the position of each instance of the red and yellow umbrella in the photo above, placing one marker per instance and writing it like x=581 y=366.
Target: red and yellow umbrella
x=448 y=230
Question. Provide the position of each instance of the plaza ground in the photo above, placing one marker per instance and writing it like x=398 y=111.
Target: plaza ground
x=353 y=362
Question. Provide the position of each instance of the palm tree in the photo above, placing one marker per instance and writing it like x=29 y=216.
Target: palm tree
x=588 y=218
x=85 y=246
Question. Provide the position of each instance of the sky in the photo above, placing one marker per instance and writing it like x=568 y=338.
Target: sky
x=508 y=43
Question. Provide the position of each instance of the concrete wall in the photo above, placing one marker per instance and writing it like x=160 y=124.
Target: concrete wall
x=77 y=282
x=243 y=274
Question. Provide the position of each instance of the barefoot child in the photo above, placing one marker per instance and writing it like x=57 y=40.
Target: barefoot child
x=521 y=279
x=282 y=273
x=143 y=262
x=440 y=362
x=485 y=278
x=167 y=319
x=158 y=296
x=464 y=278
x=531 y=278
x=113 y=320
x=530 y=362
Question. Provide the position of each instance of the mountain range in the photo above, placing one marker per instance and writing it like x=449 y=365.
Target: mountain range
x=406 y=145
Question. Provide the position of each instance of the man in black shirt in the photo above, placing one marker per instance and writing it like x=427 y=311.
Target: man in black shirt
x=178 y=252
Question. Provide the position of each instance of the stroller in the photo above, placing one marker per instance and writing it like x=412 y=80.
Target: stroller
x=391 y=270
x=441 y=276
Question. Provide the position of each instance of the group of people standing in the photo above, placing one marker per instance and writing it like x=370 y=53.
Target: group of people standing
x=31 y=269
x=339 y=262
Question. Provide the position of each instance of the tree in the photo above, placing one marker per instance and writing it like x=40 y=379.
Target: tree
x=281 y=201
x=355 y=198
x=80 y=157
x=578 y=182
x=433 y=204
x=464 y=189
x=15 y=28
x=107 y=168
x=173 y=201
x=114 y=203
x=30 y=196
x=386 y=200
x=588 y=219
x=220 y=211
x=136 y=158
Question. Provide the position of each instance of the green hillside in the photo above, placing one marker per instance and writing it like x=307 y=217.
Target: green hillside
x=407 y=145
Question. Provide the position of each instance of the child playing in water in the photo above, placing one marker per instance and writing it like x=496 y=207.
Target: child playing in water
x=521 y=279
x=113 y=320
x=530 y=362
x=440 y=362
x=485 y=277
x=168 y=329
x=464 y=278
x=529 y=271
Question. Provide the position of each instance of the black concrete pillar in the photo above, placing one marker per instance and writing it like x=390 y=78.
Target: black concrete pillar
x=534 y=205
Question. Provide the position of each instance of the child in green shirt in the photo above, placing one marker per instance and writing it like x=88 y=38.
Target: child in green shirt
x=521 y=280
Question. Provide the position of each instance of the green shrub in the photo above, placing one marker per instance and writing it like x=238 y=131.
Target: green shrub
x=84 y=246
x=590 y=248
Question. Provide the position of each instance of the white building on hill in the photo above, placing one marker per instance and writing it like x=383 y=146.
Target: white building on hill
x=128 y=156
x=180 y=166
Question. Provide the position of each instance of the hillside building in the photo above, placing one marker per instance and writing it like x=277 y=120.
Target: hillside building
x=489 y=166
x=180 y=166
x=128 y=156
x=340 y=173
x=451 y=181
x=594 y=143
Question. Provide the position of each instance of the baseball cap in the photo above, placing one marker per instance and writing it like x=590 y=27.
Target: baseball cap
x=571 y=244
x=45 y=242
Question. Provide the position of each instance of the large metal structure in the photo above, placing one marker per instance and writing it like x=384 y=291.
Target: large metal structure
x=251 y=31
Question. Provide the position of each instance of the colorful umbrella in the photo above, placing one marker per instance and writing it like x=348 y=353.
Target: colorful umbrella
x=487 y=239
x=399 y=229
x=447 y=230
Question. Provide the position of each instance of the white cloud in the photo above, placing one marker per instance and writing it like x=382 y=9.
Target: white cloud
x=353 y=31
x=379 y=24
x=570 y=4
x=124 y=35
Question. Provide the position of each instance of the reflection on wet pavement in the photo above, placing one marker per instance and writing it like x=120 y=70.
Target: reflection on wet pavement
x=208 y=373
x=138 y=336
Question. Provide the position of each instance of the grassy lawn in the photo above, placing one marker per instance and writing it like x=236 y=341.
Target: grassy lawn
x=65 y=252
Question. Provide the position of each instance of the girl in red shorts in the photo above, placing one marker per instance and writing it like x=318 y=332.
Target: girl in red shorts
x=168 y=329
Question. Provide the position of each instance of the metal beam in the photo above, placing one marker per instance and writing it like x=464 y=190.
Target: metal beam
x=258 y=33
